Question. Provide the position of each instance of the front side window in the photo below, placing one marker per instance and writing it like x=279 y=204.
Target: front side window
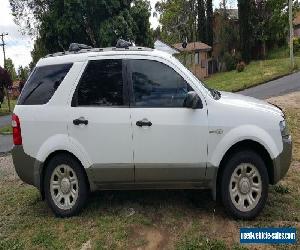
x=43 y=83
x=101 y=84
x=156 y=85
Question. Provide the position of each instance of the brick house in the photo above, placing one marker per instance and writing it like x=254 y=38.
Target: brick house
x=195 y=56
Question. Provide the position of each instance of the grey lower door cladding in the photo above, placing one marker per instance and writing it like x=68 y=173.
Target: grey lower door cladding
x=170 y=172
x=111 y=173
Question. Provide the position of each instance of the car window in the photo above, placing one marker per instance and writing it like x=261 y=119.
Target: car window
x=43 y=83
x=156 y=85
x=101 y=84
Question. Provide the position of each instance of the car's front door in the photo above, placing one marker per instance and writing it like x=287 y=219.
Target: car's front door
x=169 y=140
x=100 y=121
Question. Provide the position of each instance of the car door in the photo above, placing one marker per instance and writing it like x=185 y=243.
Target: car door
x=169 y=140
x=100 y=121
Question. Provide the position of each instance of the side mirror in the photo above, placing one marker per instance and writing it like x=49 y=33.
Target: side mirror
x=193 y=101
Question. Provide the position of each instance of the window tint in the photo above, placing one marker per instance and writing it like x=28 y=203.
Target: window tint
x=43 y=83
x=157 y=85
x=101 y=84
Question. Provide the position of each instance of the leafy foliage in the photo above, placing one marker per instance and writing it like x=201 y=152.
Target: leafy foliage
x=10 y=67
x=263 y=24
x=5 y=82
x=181 y=19
x=94 y=22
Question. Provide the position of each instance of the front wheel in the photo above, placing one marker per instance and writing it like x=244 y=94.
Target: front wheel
x=244 y=185
x=66 y=187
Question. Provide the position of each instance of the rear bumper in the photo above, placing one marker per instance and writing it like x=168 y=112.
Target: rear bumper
x=27 y=167
x=283 y=161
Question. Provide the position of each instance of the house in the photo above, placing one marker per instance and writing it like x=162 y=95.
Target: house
x=297 y=25
x=159 y=45
x=195 y=56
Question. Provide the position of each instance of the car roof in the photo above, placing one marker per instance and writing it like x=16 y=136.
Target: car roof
x=87 y=54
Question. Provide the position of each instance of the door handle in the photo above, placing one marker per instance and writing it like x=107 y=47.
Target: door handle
x=144 y=123
x=80 y=120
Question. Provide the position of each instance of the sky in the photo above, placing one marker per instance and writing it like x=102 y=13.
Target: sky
x=19 y=46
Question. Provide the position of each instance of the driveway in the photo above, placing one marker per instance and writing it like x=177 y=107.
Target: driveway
x=281 y=86
x=5 y=120
x=5 y=140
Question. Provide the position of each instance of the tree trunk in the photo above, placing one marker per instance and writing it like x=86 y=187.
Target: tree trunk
x=8 y=100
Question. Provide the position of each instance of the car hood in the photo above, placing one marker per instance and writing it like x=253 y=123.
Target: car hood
x=249 y=102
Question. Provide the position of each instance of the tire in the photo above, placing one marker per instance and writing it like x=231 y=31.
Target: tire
x=244 y=185
x=66 y=186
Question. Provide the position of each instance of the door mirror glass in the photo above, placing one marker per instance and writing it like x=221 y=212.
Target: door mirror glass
x=193 y=101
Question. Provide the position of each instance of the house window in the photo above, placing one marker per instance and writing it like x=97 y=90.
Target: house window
x=197 y=58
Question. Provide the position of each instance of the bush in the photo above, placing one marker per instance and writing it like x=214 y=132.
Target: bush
x=229 y=61
x=240 y=67
x=296 y=42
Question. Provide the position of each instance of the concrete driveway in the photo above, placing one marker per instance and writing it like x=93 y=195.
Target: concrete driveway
x=5 y=120
x=6 y=142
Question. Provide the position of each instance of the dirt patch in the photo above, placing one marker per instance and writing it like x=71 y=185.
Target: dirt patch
x=7 y=170
x=291 y=100
x=149 y=238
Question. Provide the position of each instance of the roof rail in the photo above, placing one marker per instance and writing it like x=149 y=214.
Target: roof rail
x=82 y=51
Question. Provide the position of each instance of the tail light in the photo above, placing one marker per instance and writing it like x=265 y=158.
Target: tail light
x=16 y=130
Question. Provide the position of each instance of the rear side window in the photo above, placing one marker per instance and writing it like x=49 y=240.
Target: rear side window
x=101 y=84
x=43 y=83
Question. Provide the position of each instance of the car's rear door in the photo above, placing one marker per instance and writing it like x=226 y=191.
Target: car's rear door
x=169 y=140
x=100 y=121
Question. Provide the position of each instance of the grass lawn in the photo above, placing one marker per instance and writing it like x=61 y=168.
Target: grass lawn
x=143 y=219
x=6 y=130
x=4 y=107
x=255 y=73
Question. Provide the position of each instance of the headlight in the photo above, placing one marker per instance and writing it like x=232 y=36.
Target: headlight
x=284 y=129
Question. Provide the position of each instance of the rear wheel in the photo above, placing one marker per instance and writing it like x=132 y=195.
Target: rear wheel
x=244 y=185
x=66 y=187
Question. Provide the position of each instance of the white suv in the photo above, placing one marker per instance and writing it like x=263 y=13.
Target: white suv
x=136 y=118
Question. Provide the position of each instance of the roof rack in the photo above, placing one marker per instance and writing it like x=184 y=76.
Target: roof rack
x=78 y=46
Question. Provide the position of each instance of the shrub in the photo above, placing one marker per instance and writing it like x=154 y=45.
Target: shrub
x=240 y=67
x=230 y=61
x=296 y=42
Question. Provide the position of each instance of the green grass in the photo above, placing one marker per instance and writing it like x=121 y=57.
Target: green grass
x=6 y=130
x=257 y=72
x=4 y=107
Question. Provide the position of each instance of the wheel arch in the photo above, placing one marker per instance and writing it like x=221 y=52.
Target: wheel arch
x=47 y=160
x=245 y=145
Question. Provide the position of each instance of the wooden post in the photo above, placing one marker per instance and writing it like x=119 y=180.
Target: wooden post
x=291 y=34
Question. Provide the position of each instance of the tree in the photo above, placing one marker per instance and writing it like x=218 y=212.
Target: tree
x=209 y=22
x=245 y=26
x=5 y=83
x=178 y=20
x=94 y=22
x=202 y=25
x=10 y=67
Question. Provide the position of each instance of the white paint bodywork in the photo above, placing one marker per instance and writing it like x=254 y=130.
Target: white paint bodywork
x=177 y=136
